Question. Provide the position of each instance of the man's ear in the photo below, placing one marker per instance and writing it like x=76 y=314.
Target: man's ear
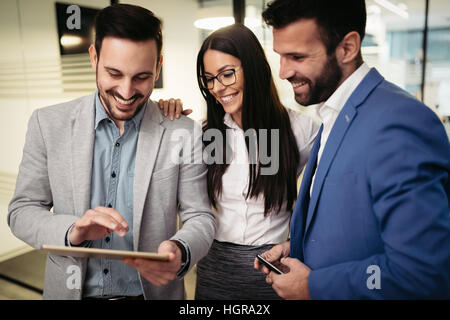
x=348 y=49
x=94 y=57
x=158 y=67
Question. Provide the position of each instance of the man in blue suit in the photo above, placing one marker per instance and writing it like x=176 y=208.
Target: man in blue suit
x=372 y=216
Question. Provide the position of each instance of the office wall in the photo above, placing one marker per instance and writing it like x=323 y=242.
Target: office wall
x=30 y=69
x=181 y=42
x=30 y=78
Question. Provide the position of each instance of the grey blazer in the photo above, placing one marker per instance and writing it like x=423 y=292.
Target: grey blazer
x=55 y=172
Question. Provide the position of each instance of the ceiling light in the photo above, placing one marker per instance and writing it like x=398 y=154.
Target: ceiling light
x=70 y=40
x=393 y=8
x=212 y=18
x=213 y=23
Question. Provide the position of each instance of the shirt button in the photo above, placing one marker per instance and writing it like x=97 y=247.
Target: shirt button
x=107 y=239
x=105 y=271
x=109 y=205
x=117 y=144
x=113 y=174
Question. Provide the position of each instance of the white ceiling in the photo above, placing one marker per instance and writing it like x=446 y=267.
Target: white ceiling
x=439 y=14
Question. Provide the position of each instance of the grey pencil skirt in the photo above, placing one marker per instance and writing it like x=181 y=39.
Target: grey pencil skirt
x=227 y=273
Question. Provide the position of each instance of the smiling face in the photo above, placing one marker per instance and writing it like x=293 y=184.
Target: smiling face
x=126 y=74
x=304 y=62
x=230 y=97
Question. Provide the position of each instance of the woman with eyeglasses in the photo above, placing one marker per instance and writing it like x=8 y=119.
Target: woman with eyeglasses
x=252 y=205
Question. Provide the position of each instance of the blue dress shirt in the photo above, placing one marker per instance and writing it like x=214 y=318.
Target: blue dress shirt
x=112 y=186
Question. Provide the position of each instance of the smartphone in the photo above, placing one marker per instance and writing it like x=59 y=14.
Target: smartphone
x=269 y=265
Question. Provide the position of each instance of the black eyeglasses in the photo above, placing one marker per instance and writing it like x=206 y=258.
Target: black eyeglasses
x=226 y=77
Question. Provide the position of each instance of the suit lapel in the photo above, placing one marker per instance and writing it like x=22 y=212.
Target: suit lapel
x=82 y=147
x=150 y=135
x=334 y=140
x=340 y=127
x=301 y=206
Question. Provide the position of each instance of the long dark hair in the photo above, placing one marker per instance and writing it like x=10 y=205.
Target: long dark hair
x=261 y=109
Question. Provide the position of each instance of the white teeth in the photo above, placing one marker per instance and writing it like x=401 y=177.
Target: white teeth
x=130 y=101
x=227 y=99
x=298 y=84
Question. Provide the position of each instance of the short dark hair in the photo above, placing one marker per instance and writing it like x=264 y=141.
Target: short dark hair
x=334 y=18
x=127 y=21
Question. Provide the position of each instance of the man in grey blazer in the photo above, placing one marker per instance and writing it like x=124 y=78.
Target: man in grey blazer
x=106 y=165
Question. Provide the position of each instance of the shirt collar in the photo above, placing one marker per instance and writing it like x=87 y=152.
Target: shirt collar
x=338 y=99
x=228 y=120
x=100 y=114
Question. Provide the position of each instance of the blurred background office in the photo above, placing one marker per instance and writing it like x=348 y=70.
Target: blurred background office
x=44 y=61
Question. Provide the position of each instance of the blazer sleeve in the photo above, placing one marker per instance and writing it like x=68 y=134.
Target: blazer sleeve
x=29 y=215
x=194 y=208
x=408 y=174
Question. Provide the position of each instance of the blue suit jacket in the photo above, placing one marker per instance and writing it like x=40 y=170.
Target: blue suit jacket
x=380 y=198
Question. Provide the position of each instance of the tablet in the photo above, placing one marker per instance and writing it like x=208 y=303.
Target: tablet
x=82 y=252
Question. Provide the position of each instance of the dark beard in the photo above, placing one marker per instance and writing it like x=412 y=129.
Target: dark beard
x=328 y=81
x=326 y=84
x=105 y=101
x=111 y=93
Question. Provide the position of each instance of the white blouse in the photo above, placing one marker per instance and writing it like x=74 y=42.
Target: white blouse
x=241 y=220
